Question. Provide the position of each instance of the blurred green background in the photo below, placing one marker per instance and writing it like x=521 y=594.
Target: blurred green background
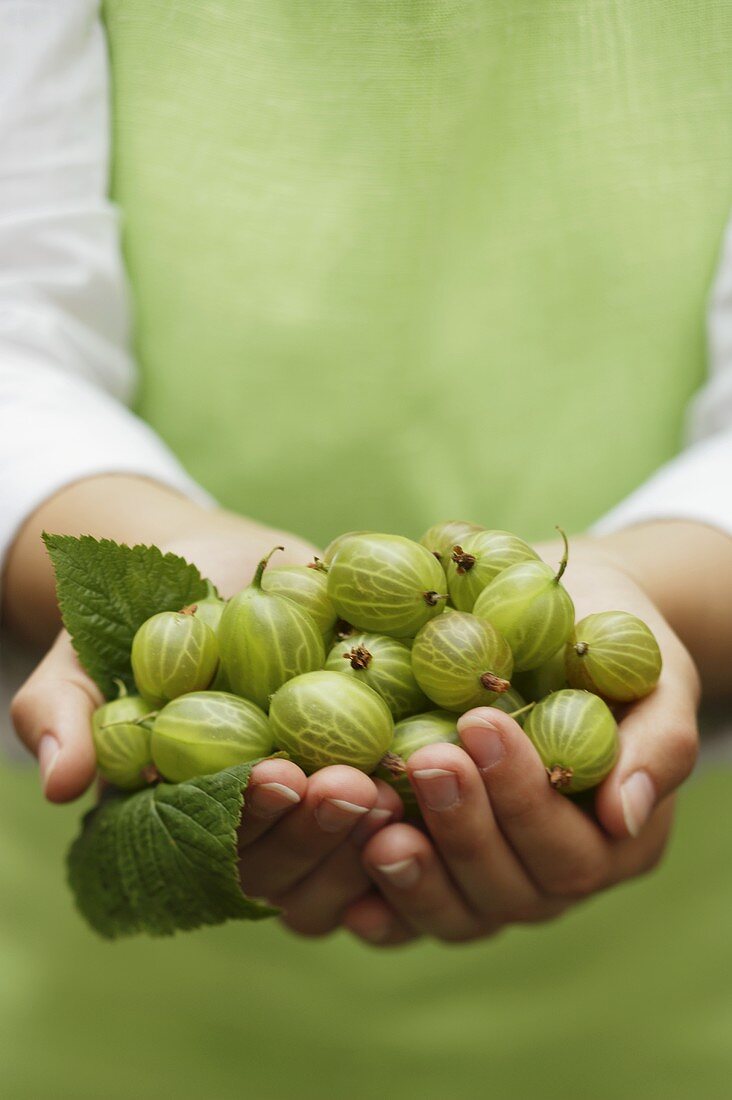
x=629 y=996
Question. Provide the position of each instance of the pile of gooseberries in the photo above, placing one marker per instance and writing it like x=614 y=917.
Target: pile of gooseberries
x=372 y=652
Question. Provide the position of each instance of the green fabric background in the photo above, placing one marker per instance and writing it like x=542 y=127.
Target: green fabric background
x=396 y=261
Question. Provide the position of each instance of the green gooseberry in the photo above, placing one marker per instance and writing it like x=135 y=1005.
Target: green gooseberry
x=531 y=609
x=265 y=639
x=614 y=654
x=473 y=563
x=306 y=585
x=539 y=681
x=206 y=731
x=461 y=662
x=122 y=742
x=430 y=728
x=335 y=544
x=576 y=736
x=173 y=652
x=385 y=665
x=386 y=584
x=442 y=537
x=324 y=718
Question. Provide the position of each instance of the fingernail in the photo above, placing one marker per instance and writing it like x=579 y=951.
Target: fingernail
x=439 y=788
x=637 y=797
x=271 y=799
x=373 y=821
x=482 y=740
x=402 y=874
x=334 y=814
x=48 y=750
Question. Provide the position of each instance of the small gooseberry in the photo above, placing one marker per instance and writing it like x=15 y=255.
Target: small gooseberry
x=386 y=584
x=206 y=731
x=576 y=737
x=461 y=662
x=324 y=718
x=614 y=654
x=265 y=639
x=122 y=743
x=173 y=652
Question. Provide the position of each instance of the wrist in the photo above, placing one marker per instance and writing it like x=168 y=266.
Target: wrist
x=120 y=507
x=685 y=568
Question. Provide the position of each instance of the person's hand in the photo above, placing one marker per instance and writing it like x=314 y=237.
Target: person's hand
x=300 y=838
x=500 y=845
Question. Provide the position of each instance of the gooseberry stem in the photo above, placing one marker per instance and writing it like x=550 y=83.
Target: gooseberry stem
x=565 y=557
x=521 y=710
x=318 y=564
x=121 y=687
x=257 y=579
x=433 y=598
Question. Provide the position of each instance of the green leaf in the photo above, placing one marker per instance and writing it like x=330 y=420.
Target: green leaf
x=106 y=591
x=164 y=859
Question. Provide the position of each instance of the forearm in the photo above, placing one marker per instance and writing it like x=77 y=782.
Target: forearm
x=126 y=509
x=686 y=569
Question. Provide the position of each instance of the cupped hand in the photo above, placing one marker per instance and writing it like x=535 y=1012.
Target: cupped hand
x=500 y=845
x=300 y=838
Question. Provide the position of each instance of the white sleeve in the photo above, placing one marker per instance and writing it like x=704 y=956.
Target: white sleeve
x=66 y=372
x=697 y=485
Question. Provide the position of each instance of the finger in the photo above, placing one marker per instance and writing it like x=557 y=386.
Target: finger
x=315 y=905
x=458 y=814
x=562 y=850
x=335 y=800
x=372 y=920
x=406 y=868
x=659 y=743
x=275 y=788
x=52 y=715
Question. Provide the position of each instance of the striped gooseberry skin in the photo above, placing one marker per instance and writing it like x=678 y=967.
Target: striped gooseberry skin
x=324 y=718
x=306 y=586
x=614 y=654
x=335 y=545
x=206 y=731
x=461 y=662
x=441 y=537
x=576 y=737
x=430 y=728
x=122 y=746
x=265 y=640
x=473 y=563
x=386 y=584
x=531 y=609
x=173 y=653
x=383 y=664
x=209 y=610
x=539 y=681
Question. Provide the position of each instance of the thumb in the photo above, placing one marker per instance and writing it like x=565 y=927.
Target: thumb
x=658 y=750
x=52 y=715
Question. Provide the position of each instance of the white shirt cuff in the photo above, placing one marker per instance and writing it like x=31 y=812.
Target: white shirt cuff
x=56 y=429
x=696 y=486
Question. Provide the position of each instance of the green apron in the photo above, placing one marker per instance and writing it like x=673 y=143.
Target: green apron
x=395 y=261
